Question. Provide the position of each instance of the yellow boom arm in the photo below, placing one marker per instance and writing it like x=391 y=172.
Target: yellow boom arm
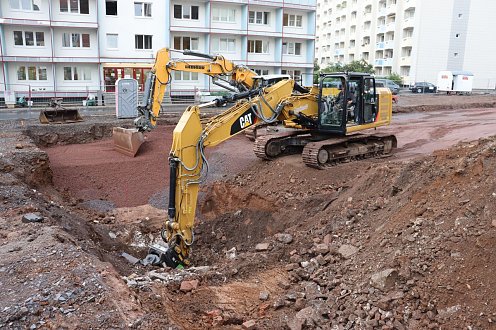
x=188 y=164
x=239 y=77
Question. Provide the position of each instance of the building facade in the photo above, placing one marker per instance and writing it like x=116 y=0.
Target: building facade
x=75 y=47
x=414 y=38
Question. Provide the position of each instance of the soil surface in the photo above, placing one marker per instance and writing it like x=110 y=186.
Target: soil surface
x=403 y=242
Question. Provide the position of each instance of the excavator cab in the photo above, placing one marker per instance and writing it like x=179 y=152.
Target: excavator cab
x=346 y=100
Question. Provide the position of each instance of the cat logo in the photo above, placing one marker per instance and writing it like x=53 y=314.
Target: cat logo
x=245 y=121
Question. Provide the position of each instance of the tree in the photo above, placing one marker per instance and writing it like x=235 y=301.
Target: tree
x=316 y=71
x=353 y=66
x=359 y=66
x=396 y=78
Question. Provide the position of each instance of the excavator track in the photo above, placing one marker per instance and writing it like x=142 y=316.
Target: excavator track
x=329 y=152
x=272 y=146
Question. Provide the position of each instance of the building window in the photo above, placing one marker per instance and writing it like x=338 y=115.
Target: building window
x=258 y=46
x=455 y=54
x=295 y=74
x=75 y=6
x=292 y=20
x=223 y=15
x=142 y=41
x=32 y=73
x=186 y=76
x=142 y=9
x=259 y=17
x=76 y=40
x=183 y=43
x=224 y=44
x=457 y=35
x=31 y=5
x=291 y=48
x=261 y=72
x=75 y=73
x=28 y=38
x=407 y=33
x=111 y=7
x=186 y=12
x=112 y=40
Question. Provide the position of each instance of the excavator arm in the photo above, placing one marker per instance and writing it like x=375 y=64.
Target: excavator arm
x=239 y=77
x=189 y=165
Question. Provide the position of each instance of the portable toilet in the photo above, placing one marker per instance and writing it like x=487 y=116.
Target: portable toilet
x=462 y=81
x=126 y=98
x=445 y=81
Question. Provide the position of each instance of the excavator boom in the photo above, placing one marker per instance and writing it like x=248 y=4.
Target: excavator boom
x=238 y=76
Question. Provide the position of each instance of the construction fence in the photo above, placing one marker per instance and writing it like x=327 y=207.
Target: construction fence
x=28 y=96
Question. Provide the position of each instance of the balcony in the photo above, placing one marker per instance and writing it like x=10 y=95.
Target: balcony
x=391 y=9
x=297 y=4
x=408 y=22
x=366 y=47
x=405 y=61
x=389 y=44
x=20 y=21
x=407 y=42
x=383 y=62
x=390 y=27
x=381 y=28
x=379 y=45
x=339 y=52
x=410 y=3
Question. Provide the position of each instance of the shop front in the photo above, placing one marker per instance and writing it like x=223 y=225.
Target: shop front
x=112 y=73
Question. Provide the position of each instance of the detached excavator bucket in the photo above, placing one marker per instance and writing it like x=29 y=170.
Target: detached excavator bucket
x=127 y=140
x=59 y=116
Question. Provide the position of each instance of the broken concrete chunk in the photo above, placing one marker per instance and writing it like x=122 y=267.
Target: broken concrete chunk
x=264 y=295
x=322 y=248
x=112 y=235
x=249 y=324
x=347 y=250
x=305 y=318
x=187 y=286
x=231 y=253
x=130 y=258
x=284 y=238
x=384 y=280
x=493 y=223
x=262 y=247
x=32 y=217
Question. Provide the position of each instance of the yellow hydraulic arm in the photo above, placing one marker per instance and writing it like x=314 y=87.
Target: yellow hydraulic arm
x=239 y=77
x=188 y=164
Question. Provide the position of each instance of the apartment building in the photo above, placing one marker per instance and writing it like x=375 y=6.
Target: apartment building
x=75 y=47
x=414 y=38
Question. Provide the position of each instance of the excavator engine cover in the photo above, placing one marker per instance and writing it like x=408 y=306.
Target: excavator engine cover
x=57 y=114
x=127 y=140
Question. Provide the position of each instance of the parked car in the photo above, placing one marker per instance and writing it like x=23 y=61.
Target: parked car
x=394 y=87
x=423 y=87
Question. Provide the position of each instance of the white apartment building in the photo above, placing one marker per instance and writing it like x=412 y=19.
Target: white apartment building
x=75 y=47
x=414 y=38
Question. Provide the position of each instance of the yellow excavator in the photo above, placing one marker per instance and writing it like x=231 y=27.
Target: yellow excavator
x=324 y=123
x=236 y=78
